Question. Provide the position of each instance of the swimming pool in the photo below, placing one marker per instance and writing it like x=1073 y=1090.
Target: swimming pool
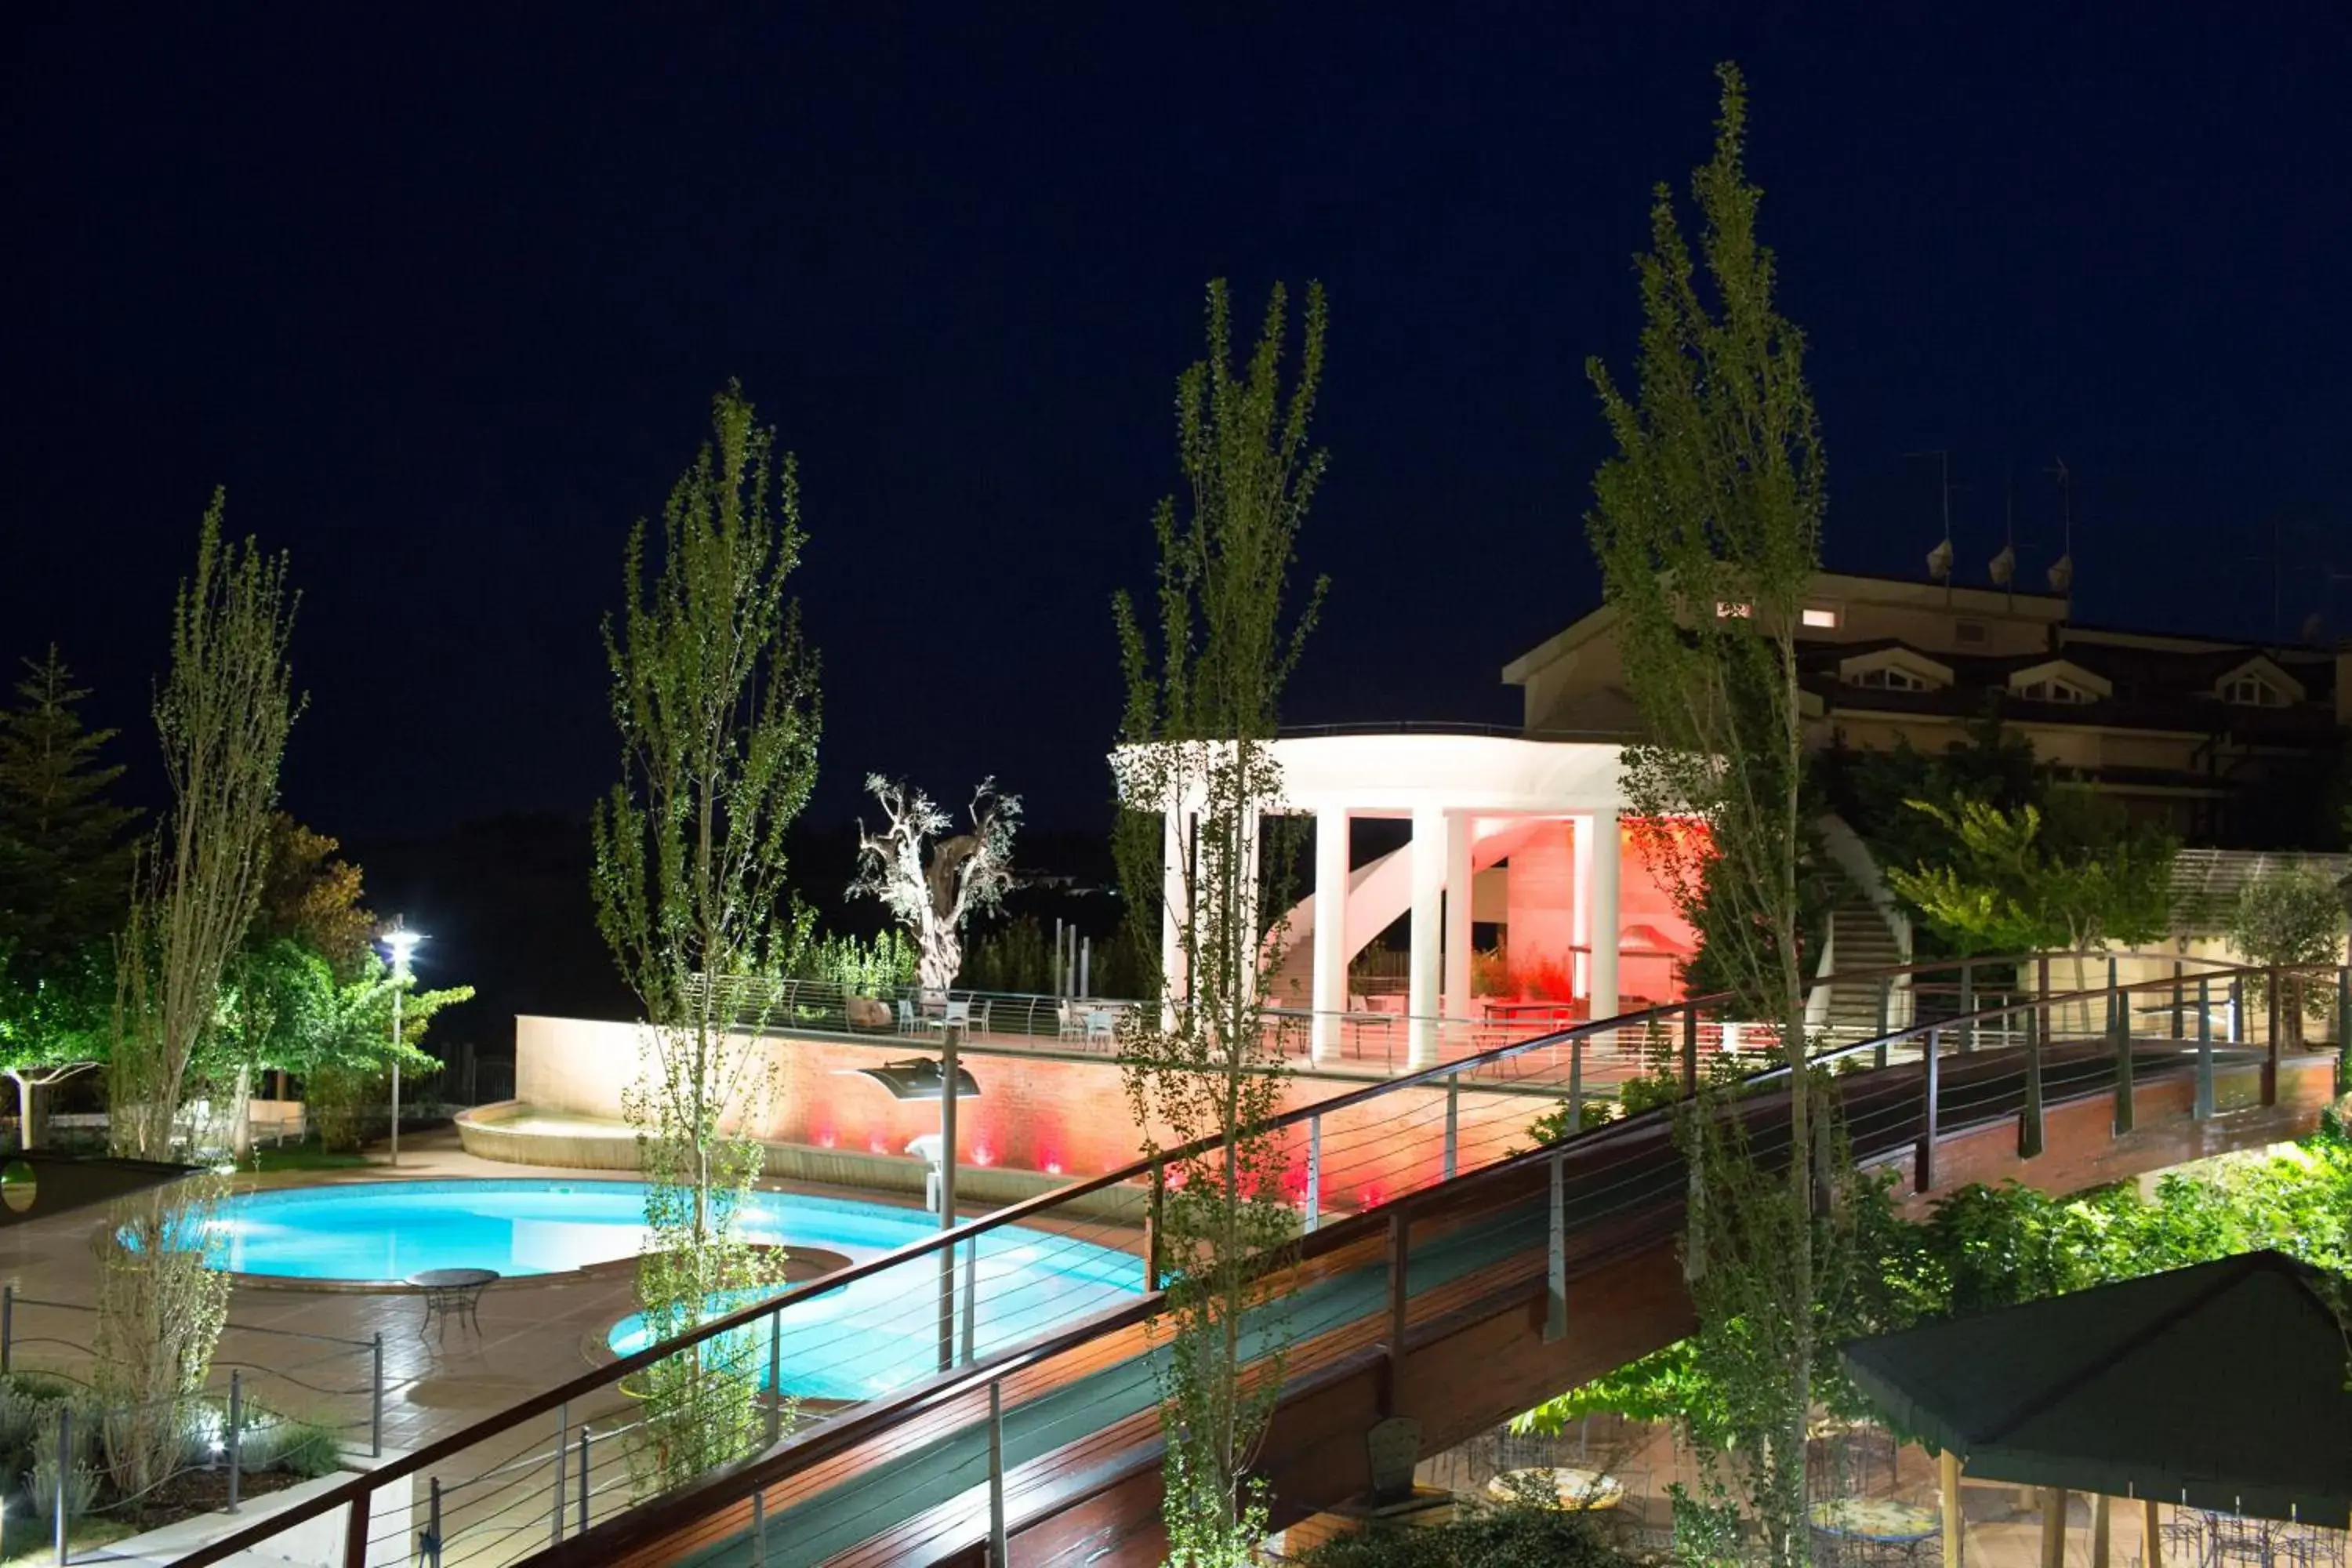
x=875 y=1334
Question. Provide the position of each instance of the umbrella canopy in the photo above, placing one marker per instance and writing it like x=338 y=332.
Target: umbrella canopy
x=38 y=1185
x=2221 y=1386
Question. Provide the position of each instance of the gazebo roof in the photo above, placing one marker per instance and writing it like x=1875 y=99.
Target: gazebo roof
x=2222 y=1385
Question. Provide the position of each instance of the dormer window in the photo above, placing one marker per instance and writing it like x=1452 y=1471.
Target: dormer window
x=2252 y=692
x=2060 y=680
x=2054 y=692
x=1895 y=669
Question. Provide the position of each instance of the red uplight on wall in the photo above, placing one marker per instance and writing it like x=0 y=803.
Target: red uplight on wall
x=825 y=1139
x=1053 y=1167
x=879 y=1144
x=981 y=1154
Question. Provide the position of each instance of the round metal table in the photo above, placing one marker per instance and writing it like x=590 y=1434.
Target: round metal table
x=452 y=1293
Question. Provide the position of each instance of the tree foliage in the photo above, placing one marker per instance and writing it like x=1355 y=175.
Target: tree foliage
x=2291 y=915
x=1983 y=1247
x=1195 y=771
x=933 y=884
x=312 y=897
x=222 y=714
x=66 y=858
x=1707 y=525
x=2004 y=886
x=66 y=850
x=716 y=701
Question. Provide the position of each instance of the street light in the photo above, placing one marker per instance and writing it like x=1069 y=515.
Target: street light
x=927 y=1077
x=402 y=942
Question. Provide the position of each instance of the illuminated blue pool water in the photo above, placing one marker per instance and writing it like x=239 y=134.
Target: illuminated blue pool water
x=875 y=1334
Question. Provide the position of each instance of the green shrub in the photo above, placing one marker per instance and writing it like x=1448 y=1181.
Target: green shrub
x=274 y=1442
x=81 y=1476
x=1482 y=1535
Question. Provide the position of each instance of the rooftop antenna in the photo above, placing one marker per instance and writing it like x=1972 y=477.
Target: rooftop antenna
x=2062 y=570
x=1939 y=560
x=2004 y=565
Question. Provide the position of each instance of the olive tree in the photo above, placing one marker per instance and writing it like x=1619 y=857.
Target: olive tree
x=933 y=884
x=2291 y=915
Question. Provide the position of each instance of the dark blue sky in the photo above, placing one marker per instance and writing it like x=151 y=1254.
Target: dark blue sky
x=442 y=302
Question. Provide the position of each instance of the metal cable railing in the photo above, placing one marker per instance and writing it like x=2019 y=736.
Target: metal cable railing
x=900 y=1358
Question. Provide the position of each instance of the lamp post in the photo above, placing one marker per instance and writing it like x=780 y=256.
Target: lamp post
x=937 y=1078
x=402 y=942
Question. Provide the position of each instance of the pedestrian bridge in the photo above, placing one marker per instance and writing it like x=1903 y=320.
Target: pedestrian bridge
x=1499 y=1273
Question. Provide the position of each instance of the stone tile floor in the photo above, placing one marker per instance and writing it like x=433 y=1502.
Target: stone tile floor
x=535 y=1334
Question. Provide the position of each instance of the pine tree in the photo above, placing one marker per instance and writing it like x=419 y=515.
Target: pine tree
x=64 y=846
x=66 y=857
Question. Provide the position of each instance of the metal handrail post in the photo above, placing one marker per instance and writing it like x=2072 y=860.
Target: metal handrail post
x=7 y=1321
x=235 y=1441
x=376 y=1402
x=583 y=1528
x=2237 y=1008
x=1152 y=1222
x=432 y=1541
x=1452 y=1119
x=1923 y=1171
x=2272 y=981
x=2119 y=1032
x=1690 y=1049
x=1968 y=1006
x=1886 y=1009
x=758 y=1530
x=1576 y=1085
x=997 y=1556
x=1314 y=1171
x=563 y=1431
x=775 y=1377
x=1556 y=1256
x=2029 y=1115
x=2202 y=1111
x=971 y=1297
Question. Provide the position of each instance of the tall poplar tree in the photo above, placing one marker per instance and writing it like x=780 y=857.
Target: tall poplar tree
x=1706 y=524
x=222 y=714
x=1195 y=859
x=716 y=700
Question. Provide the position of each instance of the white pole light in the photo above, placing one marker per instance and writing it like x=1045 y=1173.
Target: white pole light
x=402 y=942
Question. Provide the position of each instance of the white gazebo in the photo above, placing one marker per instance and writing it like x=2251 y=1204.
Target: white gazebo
x=1551 y=808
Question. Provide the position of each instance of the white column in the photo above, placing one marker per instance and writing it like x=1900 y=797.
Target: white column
x=1253 y=838
x=1604 y=916
x=1175 y=894
x=1331 y=997
x=1457 y=916
x=1428 y=852
x=1579 y=907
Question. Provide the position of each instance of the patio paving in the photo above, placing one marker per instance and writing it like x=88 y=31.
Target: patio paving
x=536 y=1332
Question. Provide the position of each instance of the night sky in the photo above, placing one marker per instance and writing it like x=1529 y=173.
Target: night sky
x=442 y=304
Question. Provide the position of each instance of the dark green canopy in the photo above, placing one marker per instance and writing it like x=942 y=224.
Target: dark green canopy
x=2221 y=1386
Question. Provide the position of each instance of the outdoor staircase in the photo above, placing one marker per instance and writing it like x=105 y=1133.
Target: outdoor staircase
x=1860 y=942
